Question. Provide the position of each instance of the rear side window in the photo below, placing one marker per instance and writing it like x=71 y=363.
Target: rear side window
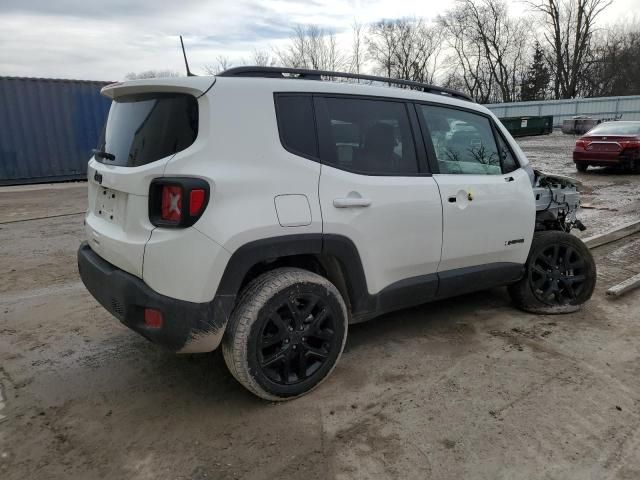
x=372 y=137
x=144 y=128
x=296 y=124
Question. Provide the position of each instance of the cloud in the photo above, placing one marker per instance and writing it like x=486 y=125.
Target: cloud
x=107 y=39
x=94 y=9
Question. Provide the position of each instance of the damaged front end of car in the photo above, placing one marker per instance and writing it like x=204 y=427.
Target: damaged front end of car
x=557 y=202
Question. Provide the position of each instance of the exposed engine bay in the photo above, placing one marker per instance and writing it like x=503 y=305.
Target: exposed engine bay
x=557 y=202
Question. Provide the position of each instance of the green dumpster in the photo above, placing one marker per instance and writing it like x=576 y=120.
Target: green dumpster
x=524 y=126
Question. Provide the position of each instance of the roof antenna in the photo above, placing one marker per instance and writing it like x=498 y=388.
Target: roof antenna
x=186 y=64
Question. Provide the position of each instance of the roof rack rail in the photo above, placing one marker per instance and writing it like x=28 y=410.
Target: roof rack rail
x=306 y=74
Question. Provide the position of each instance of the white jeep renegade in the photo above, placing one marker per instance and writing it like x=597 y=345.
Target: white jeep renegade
x=265 y=209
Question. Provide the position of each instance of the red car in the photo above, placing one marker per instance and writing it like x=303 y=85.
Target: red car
x=609 y=144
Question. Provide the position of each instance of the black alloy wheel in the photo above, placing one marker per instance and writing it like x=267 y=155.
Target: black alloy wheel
x=557 y=275
x=286 y=333
x=560 y=275
x=296 y=338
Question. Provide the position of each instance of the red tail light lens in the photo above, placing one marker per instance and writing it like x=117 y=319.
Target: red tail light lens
x=171 y=208
x=630 y=143
x=197 y=198
x=177 y=202
x=580 y=143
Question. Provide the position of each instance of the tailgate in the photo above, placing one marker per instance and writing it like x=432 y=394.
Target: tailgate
x=117 y=221
x=148 y=123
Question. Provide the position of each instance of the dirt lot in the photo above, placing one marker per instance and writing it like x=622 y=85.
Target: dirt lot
x=464 y=388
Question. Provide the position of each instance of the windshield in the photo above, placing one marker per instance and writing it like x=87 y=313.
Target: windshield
x=616 y=128
x=144 y=128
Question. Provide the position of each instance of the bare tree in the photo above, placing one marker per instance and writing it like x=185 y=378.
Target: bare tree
x=313 y=48
x=357 y=44
x=262 y=58
x=609 y=70
x=221 y=64
x=568 y=30
x=405 y=48
x=467 y=65
x=151 y=74
x=487 y=40
x=381 y=45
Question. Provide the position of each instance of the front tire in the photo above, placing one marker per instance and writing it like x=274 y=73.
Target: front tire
x=286 y=333
x=560 y=275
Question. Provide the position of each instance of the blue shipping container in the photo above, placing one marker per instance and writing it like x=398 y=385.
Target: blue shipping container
x=48 y=128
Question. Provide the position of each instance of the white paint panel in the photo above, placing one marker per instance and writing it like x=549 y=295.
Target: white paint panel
x=398 y=235
x=293 y=210
x=184 y=264
x=476 y=231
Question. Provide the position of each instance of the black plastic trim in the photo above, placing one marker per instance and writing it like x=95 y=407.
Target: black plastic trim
x=250 y=254
x=126 y=296
x=307 y=74
x=402 y=294
x=471 y=279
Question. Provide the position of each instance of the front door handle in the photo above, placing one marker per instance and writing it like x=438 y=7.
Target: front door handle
x=350 y=202
x=462 y=196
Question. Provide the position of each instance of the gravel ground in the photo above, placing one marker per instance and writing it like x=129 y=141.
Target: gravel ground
x=609 y=197
x=462 y=388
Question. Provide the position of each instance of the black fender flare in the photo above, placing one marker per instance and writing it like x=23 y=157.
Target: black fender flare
x=272 y=248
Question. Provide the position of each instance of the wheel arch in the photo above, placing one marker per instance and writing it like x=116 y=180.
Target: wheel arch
x=334 y=257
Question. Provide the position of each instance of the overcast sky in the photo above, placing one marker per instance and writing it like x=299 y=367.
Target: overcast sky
x=104 y=40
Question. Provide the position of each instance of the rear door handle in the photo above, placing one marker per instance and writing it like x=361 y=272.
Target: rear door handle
x=508 y=179
x=350 y=202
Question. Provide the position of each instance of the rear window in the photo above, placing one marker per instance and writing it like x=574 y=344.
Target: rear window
x=144 y=128
x=297 y=125
x=616 y=128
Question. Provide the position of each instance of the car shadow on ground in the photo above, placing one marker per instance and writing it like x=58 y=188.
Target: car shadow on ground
x=608 y=171
x=452 y=321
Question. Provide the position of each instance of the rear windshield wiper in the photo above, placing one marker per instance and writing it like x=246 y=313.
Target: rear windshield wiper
x=102 y=154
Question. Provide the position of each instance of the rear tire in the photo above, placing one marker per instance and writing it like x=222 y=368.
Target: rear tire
x=560 y=275
x=286 y=334
x=582 y=167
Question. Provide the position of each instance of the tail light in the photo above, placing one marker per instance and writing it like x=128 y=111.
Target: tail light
x=632 y=143
x=581 y=142
x=177 y=202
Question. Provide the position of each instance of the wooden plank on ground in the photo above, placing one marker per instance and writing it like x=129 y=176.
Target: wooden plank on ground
x=624 y=287
x=612 y=235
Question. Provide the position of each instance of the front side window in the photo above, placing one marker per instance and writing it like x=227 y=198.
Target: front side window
x=463 y=141
x=141 y=129
x=509 y=163
x=371 y=137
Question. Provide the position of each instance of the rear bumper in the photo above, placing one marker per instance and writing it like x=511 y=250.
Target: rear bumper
x=601 y=159
x=187 y=327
